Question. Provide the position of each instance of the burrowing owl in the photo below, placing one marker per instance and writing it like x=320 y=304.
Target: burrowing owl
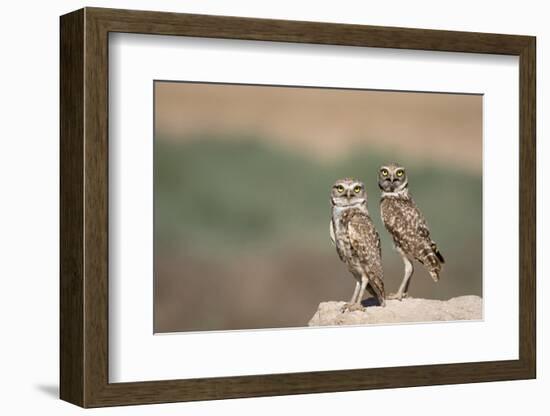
x=357 y=241
x=407 y=225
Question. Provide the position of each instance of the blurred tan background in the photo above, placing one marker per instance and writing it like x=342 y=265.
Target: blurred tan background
x=242 y=178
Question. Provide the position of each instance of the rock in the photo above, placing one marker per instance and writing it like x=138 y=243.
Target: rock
x=408 y=310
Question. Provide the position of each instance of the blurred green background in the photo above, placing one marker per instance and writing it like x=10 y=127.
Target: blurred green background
x=241 y=216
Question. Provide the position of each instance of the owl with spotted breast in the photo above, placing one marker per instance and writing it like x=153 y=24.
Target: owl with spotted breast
x=357 y=241
x=407 y=226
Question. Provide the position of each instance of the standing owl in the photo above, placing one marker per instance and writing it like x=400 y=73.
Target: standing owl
x=407 y=225
x=357 y=241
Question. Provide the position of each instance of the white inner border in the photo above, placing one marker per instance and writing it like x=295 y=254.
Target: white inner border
x=135 y=354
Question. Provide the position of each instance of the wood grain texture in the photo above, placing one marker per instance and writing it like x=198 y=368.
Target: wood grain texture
x=527 y=208
x=84 y=207
x=72 y=215
x=96 y=214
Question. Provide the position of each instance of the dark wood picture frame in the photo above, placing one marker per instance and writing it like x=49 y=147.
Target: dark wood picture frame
x=84 y=207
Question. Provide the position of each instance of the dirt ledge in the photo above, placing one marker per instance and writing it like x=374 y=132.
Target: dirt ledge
x=408 y=310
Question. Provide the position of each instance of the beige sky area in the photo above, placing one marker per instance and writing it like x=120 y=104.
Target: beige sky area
x=328 y=123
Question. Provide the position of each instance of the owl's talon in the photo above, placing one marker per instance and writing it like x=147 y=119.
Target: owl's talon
x=351 y=307
x=397 y=296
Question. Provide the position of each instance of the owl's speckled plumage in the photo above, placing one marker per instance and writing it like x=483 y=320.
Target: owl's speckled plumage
x=357 y=241
x=407 y=225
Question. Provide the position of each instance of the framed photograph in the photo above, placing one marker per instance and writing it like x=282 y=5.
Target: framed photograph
x=254 y=207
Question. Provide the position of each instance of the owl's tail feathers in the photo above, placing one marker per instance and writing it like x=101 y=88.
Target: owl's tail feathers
x=434 y=260
x=438 y=253
x=376 y=286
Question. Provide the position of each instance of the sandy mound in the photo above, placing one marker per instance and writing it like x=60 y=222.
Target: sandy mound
x=407 y=310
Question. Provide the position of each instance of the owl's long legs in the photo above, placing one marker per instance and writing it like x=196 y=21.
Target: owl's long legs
x=355 y=302
x=364 y=282
x=355 y=293
x=409 y=269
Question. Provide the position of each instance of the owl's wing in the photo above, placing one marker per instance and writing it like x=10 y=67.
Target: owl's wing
x=365 y=242
x=408 y=223
x=411 y=232
x=422 y=225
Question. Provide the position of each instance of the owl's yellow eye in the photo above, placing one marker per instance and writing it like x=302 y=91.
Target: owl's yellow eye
x=385 y=172
x=357 y=189
x=399 y=173
x=340 y=188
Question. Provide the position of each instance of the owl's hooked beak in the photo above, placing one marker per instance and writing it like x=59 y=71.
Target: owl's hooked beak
x=386 y=185
x=348 y=194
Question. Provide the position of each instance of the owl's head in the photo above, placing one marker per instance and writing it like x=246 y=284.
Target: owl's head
x=392 y=178
x=348 y=192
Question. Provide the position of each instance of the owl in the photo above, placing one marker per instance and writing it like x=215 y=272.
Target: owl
x=357 y=241
x=407 y=225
